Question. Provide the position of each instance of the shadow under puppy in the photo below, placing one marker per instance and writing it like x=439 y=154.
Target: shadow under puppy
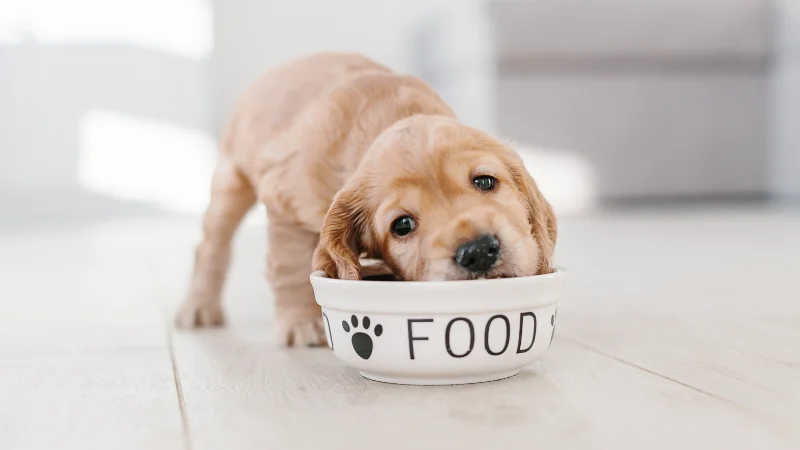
x=352 y=160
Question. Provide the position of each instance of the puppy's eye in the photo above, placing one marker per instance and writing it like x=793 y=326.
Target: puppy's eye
x=484 y=182
x=403 y=225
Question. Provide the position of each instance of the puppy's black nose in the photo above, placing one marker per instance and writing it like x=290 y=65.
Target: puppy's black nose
x=479 y=255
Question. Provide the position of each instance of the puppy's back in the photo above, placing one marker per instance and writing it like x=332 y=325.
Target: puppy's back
x=277 y=99
x=301 y=131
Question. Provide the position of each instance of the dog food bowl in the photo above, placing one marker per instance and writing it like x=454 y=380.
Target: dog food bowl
x=439 y=332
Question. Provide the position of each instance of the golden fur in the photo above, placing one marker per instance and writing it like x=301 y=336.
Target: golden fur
x=336 y=147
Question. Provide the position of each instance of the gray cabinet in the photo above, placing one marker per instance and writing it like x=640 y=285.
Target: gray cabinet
x=661 y=98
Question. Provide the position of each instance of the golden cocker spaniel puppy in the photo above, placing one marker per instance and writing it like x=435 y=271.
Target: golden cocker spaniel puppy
x=355 y=161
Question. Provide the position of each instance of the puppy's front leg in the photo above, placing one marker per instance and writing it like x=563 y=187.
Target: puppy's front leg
x=298 y=316
x=231 y=198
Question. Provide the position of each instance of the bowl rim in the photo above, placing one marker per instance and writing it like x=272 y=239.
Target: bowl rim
x=439 y=297
x=558 y=272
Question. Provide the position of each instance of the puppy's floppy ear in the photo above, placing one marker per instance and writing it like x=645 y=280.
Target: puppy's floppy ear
x=340 y=239
x=540 y=214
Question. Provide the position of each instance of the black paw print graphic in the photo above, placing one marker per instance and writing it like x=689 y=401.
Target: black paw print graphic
x=362 y=342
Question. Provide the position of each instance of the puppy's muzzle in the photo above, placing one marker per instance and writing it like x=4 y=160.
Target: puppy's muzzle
x=479 y=255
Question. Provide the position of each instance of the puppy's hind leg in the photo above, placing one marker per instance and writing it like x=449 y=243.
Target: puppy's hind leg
x=298 y=316
x=232 y=196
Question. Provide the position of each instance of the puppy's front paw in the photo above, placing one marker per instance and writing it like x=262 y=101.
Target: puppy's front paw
x=193 y=314
x=301 y=331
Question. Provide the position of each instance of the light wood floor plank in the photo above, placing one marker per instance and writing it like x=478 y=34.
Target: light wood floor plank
x=115 y=399
x=84 y=357
x=242 y=392
x=710 y=301
x=78 y=289
x=680 y=330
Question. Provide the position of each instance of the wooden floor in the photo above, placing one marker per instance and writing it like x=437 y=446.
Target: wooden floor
x=682 y=330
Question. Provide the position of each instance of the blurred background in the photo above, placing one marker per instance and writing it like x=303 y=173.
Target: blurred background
x=666 y=133
x=112 y=107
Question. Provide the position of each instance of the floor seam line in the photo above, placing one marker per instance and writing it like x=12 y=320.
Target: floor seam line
x=179 y=391
x=662 y=376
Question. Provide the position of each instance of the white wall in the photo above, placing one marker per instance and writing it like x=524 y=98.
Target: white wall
x=124 y=99
x=253 y=35
x=101 y=98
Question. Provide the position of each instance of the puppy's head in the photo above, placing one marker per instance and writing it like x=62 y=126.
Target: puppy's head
x=437 y=200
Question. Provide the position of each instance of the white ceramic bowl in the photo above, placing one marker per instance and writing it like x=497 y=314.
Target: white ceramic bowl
x=433 y=333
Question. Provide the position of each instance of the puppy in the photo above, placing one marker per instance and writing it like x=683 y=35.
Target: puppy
x=354 y=161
